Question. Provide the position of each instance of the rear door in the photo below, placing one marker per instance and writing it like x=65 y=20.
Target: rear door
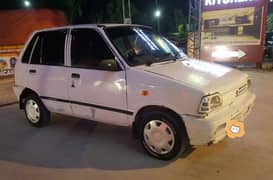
x=47 y=72
x=97 y=84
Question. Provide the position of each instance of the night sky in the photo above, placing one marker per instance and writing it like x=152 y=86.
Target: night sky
x=58 y=4
x=94 y=8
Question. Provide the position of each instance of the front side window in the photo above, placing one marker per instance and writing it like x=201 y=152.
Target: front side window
x=49 y=48
x=141 y=46
x=89 y=50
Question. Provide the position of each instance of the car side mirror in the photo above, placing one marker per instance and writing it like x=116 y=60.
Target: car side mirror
x=109 y=65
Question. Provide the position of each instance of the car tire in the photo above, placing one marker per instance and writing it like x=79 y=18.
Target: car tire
x=35 y=111
x=163 y=135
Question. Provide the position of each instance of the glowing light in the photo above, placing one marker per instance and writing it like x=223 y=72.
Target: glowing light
x=27 y=3
x=221 y=48
x=228 y=54
x=157 y=13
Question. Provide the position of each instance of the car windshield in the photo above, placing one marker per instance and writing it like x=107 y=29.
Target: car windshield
x=142 y=46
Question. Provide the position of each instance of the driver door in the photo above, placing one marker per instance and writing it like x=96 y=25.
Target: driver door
x=97 y=84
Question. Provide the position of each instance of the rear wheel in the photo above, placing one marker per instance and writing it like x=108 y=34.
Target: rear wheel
x=36 y=113
x=163 y=136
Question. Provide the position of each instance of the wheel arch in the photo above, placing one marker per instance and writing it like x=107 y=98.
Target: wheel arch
x=23 y=96
x=137 y=120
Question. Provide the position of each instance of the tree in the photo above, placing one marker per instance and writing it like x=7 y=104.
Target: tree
x=74 y=9
x=182 y=31
x=269 y=22
x=114 y=12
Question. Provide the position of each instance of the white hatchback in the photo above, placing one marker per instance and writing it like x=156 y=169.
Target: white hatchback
x=128 y=75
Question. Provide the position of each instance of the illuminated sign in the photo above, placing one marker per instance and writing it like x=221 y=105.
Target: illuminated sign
x=225 y=2
x=233 y=30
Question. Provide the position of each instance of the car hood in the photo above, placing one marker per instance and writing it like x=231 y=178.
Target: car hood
x=205 y=76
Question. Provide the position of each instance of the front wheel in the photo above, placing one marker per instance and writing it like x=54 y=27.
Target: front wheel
x=36 y=113
x=163 y=136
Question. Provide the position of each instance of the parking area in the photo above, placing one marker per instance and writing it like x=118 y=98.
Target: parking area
x=78 y=149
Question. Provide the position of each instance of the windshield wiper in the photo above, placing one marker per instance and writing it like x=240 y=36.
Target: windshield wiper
x=149 y=63
x=172 y=58
x=164 y=58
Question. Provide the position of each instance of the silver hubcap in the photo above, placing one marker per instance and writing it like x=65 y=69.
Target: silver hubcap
x=32 y=111
x=159 y=137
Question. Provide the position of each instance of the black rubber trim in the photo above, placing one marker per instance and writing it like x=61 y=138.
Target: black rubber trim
x=90 y=105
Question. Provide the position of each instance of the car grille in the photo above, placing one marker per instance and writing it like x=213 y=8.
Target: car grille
x=241 y=90
x=231 y=96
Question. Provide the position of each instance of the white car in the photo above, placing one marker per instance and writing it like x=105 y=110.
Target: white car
x=128 y=75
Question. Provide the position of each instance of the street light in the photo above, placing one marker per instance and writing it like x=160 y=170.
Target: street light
x=27 y=3
x=157 y=13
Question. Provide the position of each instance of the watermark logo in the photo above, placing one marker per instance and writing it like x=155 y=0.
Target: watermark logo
x=235 y=129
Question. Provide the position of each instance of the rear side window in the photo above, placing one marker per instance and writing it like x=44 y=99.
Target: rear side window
x=37 y=51
x=49 y=49
x=27 y=53
x=53 y=48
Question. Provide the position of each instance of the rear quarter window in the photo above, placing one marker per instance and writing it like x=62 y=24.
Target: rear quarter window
x=49 y=48
x=28 y=51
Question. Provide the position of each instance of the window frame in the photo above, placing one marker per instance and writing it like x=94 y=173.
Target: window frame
x=33 y=37
x=98 y=31
x=38 y=35
x=65 y=31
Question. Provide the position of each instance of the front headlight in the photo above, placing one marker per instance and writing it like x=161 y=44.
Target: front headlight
x=210 y=103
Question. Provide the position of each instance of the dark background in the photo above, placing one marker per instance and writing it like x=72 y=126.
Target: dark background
x=174 y=12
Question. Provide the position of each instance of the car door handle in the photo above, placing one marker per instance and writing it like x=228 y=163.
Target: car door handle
x=32 y=71
x=75 y=76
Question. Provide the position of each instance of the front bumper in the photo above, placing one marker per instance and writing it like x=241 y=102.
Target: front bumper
x=211 y=129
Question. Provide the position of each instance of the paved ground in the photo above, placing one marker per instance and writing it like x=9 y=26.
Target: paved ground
x=77 y=149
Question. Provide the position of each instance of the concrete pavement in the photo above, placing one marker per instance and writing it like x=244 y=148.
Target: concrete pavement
x=77 y=149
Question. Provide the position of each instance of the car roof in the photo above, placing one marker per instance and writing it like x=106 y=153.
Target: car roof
x=91 y=26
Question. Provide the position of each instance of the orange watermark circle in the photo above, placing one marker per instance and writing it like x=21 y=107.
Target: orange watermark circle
x=235 y=129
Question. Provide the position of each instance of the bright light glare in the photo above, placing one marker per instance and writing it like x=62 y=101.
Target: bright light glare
x=157 y=13
x=224 y=54
x=221 y=48
x=212 y=69
x=27 y=3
